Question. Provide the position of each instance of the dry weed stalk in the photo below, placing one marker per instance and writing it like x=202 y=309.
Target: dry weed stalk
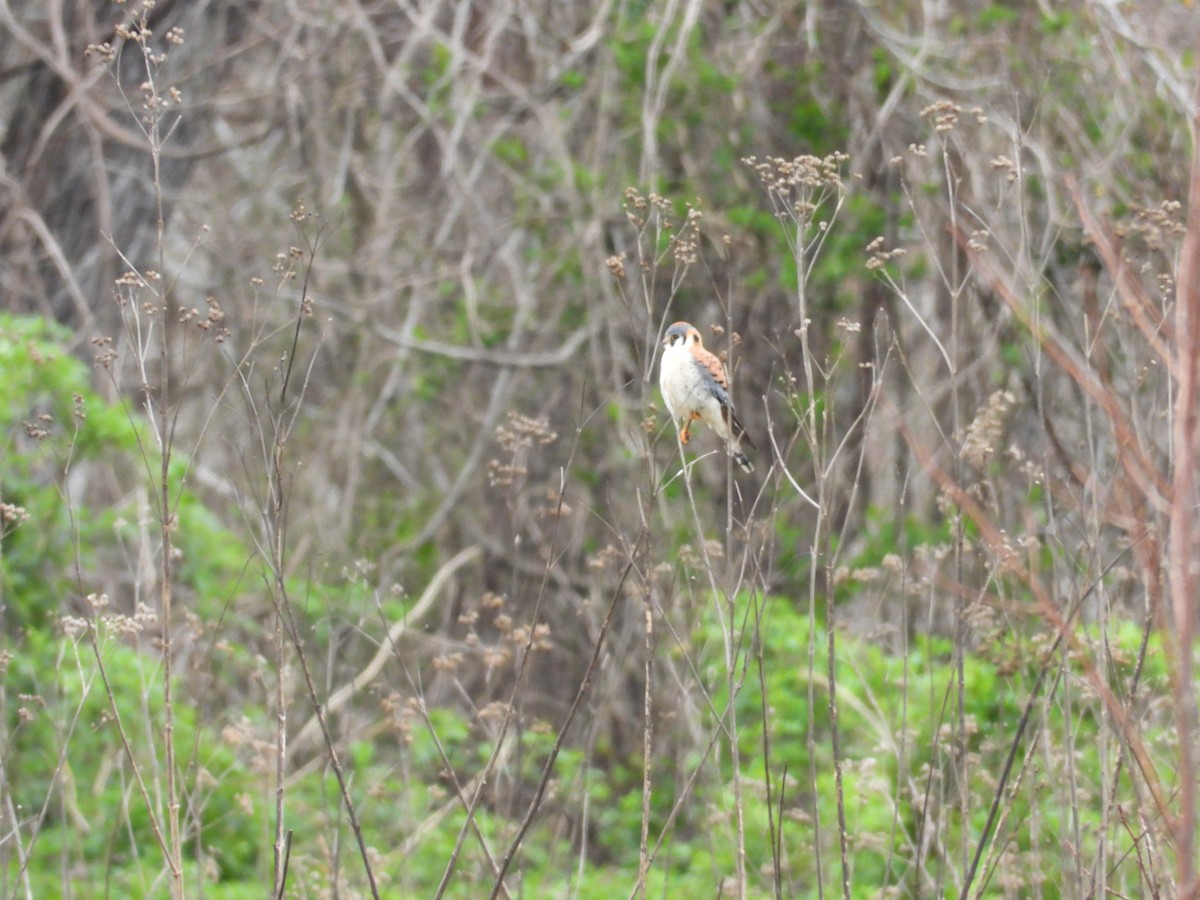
x=1184 y=543
x=149 y=316
x=807 y=195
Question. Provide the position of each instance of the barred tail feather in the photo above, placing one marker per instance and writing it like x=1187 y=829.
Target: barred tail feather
x=739 y=433
x=737 y=437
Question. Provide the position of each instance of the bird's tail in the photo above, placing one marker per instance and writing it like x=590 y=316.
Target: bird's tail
x=740 y=437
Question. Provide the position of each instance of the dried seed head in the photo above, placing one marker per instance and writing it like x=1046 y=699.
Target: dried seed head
x=984 y=433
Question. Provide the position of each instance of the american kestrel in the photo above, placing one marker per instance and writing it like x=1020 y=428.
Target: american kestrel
x=695 y=388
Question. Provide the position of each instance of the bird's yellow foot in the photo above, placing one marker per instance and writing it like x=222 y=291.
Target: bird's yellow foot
x=685 y=433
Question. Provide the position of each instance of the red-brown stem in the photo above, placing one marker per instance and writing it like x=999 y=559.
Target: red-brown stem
x=1181 y=559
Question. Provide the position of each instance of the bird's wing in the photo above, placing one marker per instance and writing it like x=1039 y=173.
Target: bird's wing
x=720 y=389
x=710 y=362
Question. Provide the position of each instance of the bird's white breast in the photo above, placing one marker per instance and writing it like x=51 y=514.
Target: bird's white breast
x=682 y=382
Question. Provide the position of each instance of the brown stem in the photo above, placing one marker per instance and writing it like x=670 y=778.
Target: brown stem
x=1181 y=553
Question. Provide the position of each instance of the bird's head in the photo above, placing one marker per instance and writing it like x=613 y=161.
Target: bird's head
x=681 y=334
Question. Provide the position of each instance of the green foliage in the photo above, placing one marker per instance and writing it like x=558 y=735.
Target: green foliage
x=59 y=436
x=63 y=751
x=1056 y=22
x=70 y=752
x=997 y=14
x=50 y=421
x=884 y=71
x=896 y=722
x=885 y=535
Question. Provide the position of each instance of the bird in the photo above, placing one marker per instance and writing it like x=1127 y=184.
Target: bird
x=695 y=388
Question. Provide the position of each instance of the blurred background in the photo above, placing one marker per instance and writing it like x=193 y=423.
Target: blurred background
x=412 y=262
